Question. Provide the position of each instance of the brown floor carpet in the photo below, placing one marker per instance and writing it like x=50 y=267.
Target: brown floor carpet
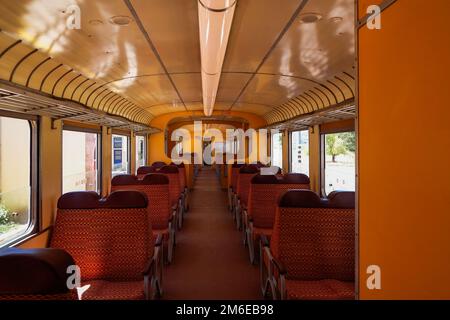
x=210 y=261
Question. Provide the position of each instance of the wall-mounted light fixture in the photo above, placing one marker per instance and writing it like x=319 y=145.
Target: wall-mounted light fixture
x=215 y=19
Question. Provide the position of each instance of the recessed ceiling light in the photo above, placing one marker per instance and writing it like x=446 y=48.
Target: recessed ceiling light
x=336 y=19
x=120 y=20
x=310 y=17
x=95 y=22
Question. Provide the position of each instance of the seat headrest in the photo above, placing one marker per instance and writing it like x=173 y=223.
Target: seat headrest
x=91 y=200
x=168 y=169
x=130 y=180
x=158 y=164
x=34 y=271
x=248 y=169
x=264 y=179
x=79 y=200
x=237 y=165
x=155 y=178
x=341 y=199
x=300 y=199
x=260 y=164
x=146 y=170
x=125 y=180
x=181 y=165
x=295 y=178
x=125 y=199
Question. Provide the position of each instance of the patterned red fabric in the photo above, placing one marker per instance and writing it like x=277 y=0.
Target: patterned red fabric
x=320 y=290
x=243 y=186
x=174 y=187
x=234 y=178
x=263 y=199
x=182 y=171
x=159 y=208
x=315 y=243
x=72 y=295
x=107 y=244
x=110 y=290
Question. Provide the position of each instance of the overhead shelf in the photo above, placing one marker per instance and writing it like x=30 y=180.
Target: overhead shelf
x=15 y=98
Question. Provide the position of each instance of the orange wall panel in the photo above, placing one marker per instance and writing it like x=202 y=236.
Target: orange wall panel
x=404 y=151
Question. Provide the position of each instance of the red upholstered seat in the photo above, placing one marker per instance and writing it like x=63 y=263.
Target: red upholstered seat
x=158 y=164
x=35 y=274
x=312 y=246
x=143 y=171
x=107 y=290
x=320 y=290
x=263 y=199
x=175 y=194
x=110 y=240
x=246 y=173
x=161 y=216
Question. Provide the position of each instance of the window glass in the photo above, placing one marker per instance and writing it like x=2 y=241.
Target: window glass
x=339 y=160
x=300 y=152
x=80 y=161
x=15 y=178
x=277 y=150
x=140 y=151
x=120 y=155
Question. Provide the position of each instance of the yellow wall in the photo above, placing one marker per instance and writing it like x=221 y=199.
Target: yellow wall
x=156 y=141
x=50 y=176
x=404 y=147
x=314 y=158
x=106 y=160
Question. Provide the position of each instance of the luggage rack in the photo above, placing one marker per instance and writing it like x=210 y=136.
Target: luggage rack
x=15 y=98
x=343 y=111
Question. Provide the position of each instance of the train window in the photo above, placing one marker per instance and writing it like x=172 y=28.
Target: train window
x=120 y=155
x=338 y=161
x=277 y=150
x=140 y=151
x=80 y=161
x=300 y=152
x=17 y=179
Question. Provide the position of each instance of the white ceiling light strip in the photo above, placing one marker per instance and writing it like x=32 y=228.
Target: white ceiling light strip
x=215 y=19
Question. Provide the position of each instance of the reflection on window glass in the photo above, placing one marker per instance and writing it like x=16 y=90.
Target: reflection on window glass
x=140 y=151
x=80 y=161
x=120 y=155
x=300 y=152
x=339 y=161
x=277 y=150
x=15 y=182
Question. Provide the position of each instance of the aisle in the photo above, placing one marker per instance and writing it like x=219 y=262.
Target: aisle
x=210 y=261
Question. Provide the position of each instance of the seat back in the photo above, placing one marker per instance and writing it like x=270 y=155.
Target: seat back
x=143 y=171
x=35 y=274
x=172 y=173
x=156 y=187
x=246 y=173
x=313 y=239
x=262 y=200
x=234 y=175
x=158 y=164
x=182 y=174
x=109 y=239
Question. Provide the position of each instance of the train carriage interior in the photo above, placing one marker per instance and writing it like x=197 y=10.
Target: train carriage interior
x=251 y=150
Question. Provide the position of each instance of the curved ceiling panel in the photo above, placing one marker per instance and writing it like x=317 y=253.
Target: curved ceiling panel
x=277 y=65
x=26 y=66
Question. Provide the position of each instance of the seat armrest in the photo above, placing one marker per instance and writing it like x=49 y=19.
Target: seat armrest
x=279 y=266
x=159 y=240
x=264 y=241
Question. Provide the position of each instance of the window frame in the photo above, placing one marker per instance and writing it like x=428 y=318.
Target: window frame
x=323 y=157
x=145 y=149
x=98 y=132
x=35 y=224
x=290 y=146
x=128 y=136
x=271 y=147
